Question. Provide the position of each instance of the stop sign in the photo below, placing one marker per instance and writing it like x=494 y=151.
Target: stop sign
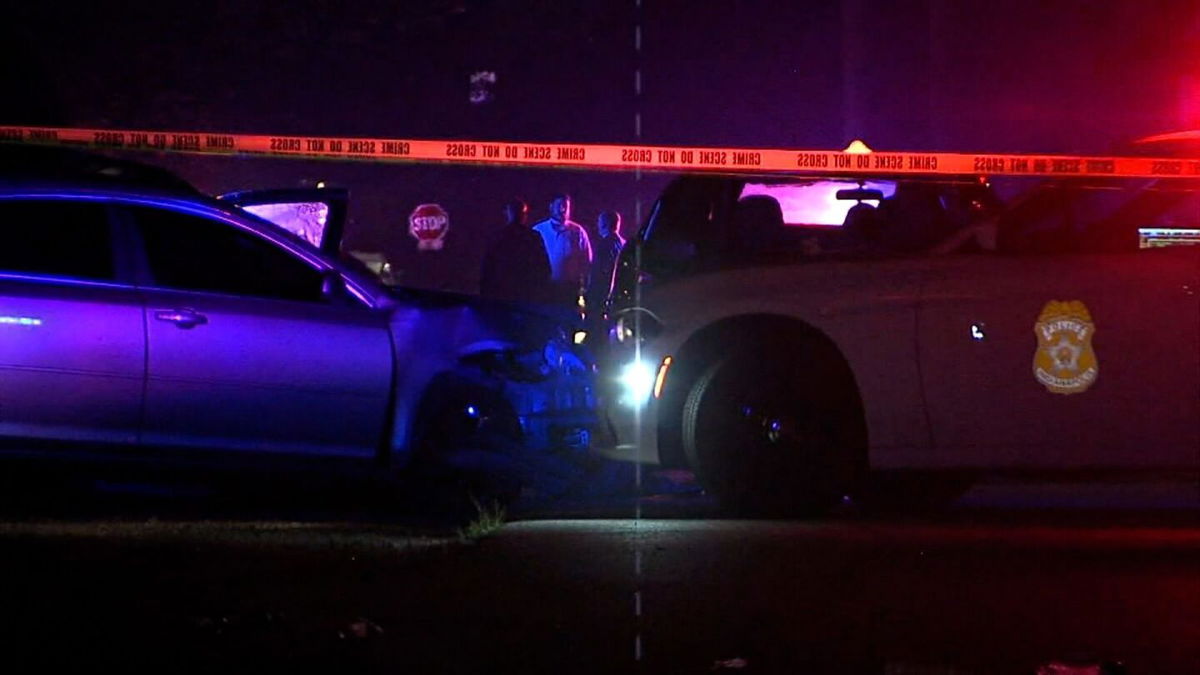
x=428 y=224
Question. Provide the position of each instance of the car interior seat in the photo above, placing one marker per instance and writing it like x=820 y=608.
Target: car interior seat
x=862 y=223
x=758 y=223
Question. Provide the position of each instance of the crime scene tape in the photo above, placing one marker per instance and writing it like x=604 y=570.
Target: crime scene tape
x=855 y=160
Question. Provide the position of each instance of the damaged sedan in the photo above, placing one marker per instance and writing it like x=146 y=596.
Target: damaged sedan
x=140 y=317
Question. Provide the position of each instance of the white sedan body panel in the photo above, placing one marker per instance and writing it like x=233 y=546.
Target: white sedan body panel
x=987 y=407
x=943 y=349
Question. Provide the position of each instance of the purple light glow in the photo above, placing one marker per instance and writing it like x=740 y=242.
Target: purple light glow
x=815 y=203
x=305 y=219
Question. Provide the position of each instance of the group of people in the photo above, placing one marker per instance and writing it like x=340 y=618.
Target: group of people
x=553 y=262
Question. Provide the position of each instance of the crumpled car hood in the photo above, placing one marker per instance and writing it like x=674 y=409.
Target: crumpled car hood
x=460 y=324
x=527 y=350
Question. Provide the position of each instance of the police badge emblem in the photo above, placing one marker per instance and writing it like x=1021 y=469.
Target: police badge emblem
x=1065 y=362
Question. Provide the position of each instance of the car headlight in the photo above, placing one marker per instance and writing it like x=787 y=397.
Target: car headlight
x=637 y=383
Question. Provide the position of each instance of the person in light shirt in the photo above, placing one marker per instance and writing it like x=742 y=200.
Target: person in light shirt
x=569 y=251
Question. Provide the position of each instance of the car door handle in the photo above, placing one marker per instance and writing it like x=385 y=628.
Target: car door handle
x=184 y=318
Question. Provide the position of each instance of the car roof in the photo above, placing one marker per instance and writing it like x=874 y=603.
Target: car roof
x=67 y=188
x=55 y=171
x=66 y=167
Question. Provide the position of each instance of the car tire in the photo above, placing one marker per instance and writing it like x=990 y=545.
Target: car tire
x=775 y=435
x=467 y=458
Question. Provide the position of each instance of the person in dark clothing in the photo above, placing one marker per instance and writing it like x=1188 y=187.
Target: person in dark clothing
x=515 y=264
x=604 y=258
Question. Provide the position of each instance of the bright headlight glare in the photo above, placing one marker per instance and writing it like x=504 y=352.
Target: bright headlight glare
x=637 y=383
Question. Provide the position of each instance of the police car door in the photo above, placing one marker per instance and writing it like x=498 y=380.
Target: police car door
x=1063 y=351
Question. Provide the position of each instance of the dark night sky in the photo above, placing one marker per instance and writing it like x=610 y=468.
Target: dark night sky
x=1017 y=75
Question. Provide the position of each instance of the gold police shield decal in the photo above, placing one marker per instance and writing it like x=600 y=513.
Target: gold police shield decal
x=1065 y=362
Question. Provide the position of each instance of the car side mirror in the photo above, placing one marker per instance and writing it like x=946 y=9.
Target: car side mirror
x=333 y=286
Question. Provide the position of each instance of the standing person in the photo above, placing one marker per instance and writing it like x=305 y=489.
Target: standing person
x=515 y=265
x=608 y=248
x=569 y=252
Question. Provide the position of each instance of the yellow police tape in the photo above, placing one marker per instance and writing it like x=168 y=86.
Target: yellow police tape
x=608 y=157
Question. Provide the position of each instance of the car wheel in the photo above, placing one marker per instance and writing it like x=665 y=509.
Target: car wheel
x=774 y=435
x=468 y=444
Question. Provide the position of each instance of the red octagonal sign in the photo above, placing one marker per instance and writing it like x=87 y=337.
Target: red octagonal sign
x=428 y=224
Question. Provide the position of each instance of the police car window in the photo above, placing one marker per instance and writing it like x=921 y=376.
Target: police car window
x=684 y=211
x=56 y=238
x=815 y=203
x=191 y=253
x=797 y=219
x=1101 y=219
x=1173 y=221
x=683 y=224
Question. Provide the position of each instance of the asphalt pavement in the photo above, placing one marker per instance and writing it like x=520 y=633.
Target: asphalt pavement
x=1008 y=578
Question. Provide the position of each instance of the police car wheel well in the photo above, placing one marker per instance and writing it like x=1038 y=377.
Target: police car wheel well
x=774 y=333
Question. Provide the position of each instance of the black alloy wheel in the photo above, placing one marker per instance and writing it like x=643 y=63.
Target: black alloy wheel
x=773 y=435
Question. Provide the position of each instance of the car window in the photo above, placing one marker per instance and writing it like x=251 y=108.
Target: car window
x=56 y=238
x=198 y=254
x=684 y=224
x=798 y=219
x=304 y=219
x=1083 y=219
x=815 y=202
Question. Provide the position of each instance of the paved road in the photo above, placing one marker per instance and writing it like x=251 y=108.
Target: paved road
x=187 y=576
x=877 y=596
x=964 y=590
